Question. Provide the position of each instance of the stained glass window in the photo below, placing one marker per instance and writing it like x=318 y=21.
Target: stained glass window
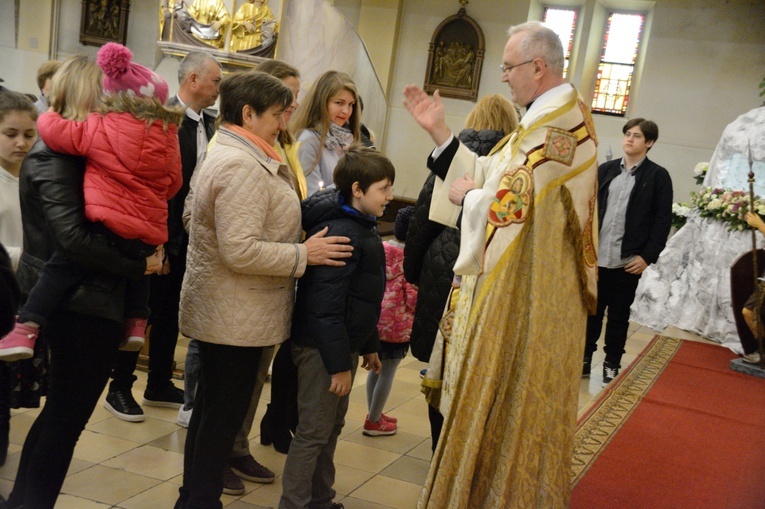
x=617 y=63
x=562 y=22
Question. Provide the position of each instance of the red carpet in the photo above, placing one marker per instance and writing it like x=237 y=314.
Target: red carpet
x=679 y=429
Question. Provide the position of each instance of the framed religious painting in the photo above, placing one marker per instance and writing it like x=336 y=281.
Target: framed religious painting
x=455 y=58
x=104 y=21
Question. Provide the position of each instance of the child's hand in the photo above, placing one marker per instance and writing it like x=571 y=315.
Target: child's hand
x=154 y=262
x=371 y=362
x=341 y=383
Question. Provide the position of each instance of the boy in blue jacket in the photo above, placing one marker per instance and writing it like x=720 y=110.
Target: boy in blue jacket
x=335 y=321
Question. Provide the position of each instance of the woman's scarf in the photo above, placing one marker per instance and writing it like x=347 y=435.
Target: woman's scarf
x=338 y=138
x=259 y=142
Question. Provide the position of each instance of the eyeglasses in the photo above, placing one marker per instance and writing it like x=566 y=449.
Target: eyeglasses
x=507 y=68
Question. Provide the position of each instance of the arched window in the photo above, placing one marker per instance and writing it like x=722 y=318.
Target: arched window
x=562 y=21
x=617 y=63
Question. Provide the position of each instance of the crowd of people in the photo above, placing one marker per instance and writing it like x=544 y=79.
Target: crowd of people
x=136 y=214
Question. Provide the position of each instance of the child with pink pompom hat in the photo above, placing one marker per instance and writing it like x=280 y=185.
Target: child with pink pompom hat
x=133 y=168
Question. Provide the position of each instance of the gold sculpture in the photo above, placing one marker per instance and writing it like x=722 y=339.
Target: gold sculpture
x=253 y=25
x=204 y=21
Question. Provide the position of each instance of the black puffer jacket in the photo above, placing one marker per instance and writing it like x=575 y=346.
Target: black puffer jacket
x=337 y=308
x=53 y=213
x=430 y=252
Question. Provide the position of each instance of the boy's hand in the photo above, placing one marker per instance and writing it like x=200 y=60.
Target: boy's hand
x=371 y=362
x=341 y=383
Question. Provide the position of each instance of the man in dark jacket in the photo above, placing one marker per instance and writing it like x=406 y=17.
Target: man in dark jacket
x=634 y=216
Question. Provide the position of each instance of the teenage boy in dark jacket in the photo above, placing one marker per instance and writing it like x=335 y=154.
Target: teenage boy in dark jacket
x=634 y=216
x=335 y=321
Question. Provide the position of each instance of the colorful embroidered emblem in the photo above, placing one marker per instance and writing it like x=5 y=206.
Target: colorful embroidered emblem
x=590 y=256
x=446 y=324
x=514 y=197
x=588 y=123
x=560 y=146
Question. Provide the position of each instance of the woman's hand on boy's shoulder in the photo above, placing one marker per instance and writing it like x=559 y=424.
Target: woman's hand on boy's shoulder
x=323 y=250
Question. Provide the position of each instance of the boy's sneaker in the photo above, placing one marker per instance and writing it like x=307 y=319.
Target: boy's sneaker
x=422 y=372
x=387 y=418
x=250 y=470
x=19 y=343
x=134 y=335
x=586 y=366
x=169 y=396
x=184 y=416
x=610 y=371
x=379 y=428
x=123 y=406
x=232 y=485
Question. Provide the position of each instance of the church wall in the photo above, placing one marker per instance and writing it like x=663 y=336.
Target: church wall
x=703 y=62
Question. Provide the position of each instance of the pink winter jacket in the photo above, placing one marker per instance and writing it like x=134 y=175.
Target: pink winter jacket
x=397 y=312
x=133 y=163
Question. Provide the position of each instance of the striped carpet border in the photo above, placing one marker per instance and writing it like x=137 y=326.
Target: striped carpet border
x=604 y=419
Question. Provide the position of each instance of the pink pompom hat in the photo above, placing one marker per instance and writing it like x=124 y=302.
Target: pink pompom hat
x=122 y=74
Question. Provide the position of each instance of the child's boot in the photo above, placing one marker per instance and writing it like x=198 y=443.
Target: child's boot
x=19 y=343
x=135 y=332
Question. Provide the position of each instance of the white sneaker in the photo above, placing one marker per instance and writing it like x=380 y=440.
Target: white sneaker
x=752 y=358
x=184 y=416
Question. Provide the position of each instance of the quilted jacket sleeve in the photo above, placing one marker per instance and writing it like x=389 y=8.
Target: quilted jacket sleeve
x=242 y=209
x=68 y=136
x=174 y=166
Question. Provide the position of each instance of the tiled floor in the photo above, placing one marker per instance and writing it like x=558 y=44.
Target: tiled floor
x=139 y=465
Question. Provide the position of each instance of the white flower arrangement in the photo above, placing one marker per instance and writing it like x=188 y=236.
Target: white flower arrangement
x=680 y=213
x=726 y=205
x=700 y=171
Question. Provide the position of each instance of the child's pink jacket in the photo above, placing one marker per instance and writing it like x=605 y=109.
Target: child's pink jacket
x=397 y=312
x=133 y=164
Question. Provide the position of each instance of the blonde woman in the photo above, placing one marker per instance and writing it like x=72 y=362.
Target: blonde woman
x=326 y=124
x=86 y=327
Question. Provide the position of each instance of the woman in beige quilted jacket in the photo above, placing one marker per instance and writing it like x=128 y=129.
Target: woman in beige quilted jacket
x=244 y=255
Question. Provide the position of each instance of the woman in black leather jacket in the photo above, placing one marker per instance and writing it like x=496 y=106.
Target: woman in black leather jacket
x=432 y=248
x=84 y=332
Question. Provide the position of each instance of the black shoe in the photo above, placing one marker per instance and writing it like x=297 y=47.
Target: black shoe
x=250 y=470
x=232 y=485
x=610 y=371
x=586 y=366
x=169 y=396
x=123 y=406
x=270 y=433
